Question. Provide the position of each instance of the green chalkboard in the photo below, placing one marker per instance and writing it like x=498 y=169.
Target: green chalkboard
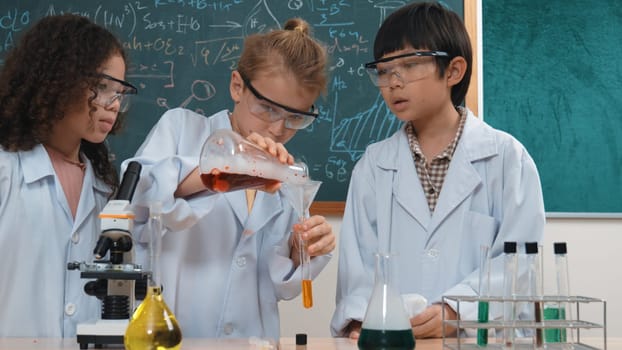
x=182 y=53
x=552 y=76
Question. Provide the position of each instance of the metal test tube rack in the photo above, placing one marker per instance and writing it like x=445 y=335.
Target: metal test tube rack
x=461 y=342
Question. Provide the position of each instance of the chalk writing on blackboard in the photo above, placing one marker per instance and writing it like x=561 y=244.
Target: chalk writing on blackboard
x=182 y=53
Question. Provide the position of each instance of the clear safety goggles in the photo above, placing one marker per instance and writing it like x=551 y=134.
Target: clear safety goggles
x=111 y=89
x=271 y=111
x=407 y=68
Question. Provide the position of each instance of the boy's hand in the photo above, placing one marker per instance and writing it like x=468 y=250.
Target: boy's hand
x=429 y=323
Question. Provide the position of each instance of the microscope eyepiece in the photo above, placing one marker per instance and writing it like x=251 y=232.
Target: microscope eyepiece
x=129 y=181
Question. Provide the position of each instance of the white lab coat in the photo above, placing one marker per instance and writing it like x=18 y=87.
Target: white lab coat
x=491 y=194
x=223 y=269
x=38 y=237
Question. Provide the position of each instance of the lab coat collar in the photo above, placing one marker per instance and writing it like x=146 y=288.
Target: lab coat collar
x=88 y=203
x=36 y=165
x=265 y=207
x=477 y=142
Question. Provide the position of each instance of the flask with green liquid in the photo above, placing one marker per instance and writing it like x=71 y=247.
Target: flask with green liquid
x=153 y=325
x=386 y=325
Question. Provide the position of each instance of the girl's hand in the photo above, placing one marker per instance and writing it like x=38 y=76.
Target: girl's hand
x=318 y=233
x=275 y=149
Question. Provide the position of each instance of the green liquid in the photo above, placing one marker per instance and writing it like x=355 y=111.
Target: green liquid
x=482 y=317
x=373 y=339
x=554 y=335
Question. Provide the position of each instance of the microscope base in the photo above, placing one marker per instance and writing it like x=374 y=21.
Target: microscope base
x=101 y=332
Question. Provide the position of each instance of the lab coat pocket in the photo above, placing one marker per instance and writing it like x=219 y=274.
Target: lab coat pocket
x=480 y=227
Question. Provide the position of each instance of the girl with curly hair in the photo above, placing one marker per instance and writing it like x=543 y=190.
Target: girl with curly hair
x=61 y=94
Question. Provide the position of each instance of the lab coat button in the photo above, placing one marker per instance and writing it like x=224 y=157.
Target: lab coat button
x=433 y=253
x=241 y=261
x=75 y=237
x=228 y=328
x=70 y=309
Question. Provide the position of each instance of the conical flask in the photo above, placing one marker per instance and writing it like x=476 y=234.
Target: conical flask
x=230 y=162
x=153 y=325
x=386 y=325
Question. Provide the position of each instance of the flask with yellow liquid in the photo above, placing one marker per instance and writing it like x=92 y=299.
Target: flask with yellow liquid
x=153 y=325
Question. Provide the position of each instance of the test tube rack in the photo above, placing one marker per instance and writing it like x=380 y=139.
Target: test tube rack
x=462 y=341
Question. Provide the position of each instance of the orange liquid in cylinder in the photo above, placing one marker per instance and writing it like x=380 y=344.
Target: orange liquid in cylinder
x=307 y=294
x=225 y=182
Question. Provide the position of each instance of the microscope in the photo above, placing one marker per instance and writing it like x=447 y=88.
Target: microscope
x=118 y=281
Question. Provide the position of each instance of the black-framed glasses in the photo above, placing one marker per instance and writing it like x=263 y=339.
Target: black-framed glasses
x=406 y=67
x=110 y=89
x=273 y=111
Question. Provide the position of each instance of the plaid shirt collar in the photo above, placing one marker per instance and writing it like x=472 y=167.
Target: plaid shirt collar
x=448 y=152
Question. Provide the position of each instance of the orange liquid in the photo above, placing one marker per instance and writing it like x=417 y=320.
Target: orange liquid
x=225 y=182
x=307 y=294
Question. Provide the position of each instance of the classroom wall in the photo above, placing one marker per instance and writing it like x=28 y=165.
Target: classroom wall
x=593 y=246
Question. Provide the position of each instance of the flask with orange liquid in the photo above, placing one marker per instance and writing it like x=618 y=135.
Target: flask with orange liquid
x=229 y=162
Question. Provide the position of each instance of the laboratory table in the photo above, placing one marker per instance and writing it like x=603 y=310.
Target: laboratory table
x=233 y=344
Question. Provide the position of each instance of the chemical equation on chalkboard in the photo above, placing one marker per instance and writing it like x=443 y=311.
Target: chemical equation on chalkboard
x=182 y=52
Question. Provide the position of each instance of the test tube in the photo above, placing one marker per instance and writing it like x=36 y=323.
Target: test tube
x=563 y=288
x=534 y=288
x=301 y=197
x=509 y=291
x=305 y=262
x=484 y=285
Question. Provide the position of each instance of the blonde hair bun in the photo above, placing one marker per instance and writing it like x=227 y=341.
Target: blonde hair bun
x=298 y=24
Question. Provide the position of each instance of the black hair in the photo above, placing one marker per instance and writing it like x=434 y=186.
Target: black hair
x=428 y=26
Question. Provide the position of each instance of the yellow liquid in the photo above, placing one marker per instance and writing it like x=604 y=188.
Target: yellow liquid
x=153 y=326
x=307 y=294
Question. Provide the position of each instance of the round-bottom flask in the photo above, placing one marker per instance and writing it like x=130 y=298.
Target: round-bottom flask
x=386 y=325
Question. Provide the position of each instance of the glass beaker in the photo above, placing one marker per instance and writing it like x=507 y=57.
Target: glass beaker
x=386 y=325
x=153 y=325
x=230 y=162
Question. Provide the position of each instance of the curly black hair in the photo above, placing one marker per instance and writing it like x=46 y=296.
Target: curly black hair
x=48 y=71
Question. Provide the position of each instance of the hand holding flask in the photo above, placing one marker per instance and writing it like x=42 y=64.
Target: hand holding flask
x=230 y=162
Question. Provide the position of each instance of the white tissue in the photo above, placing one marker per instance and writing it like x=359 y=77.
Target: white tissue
x=414 y=304
x=260 y=344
